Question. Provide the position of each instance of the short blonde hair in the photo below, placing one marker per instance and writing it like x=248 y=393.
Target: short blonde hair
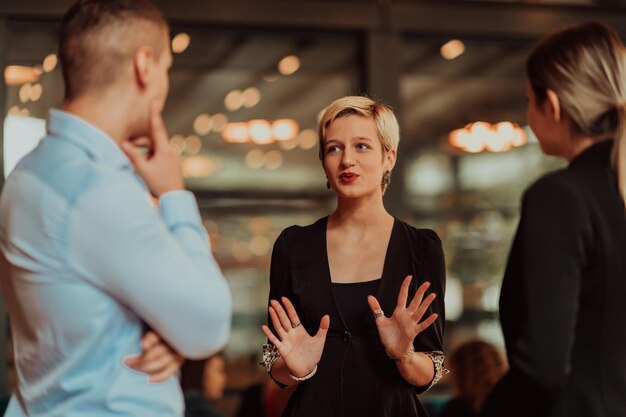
x=382 y=115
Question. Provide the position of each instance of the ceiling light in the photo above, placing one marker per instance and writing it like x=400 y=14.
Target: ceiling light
x=180 y=43
x=284 y=129
x=50 y=63
x=289 y=64
x=452 y=49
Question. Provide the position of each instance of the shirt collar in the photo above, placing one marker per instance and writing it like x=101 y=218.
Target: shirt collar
x=598 y=152
x=93 y=141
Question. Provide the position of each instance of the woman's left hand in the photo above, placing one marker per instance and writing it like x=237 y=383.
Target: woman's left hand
x=157 y=359
x=398 y=331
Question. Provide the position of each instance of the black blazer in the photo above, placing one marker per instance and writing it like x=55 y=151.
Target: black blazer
x=563 y=300
x=355 y=377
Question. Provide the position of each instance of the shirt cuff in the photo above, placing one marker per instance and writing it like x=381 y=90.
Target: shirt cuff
x=179 y=207
x=270 y=354
x=438 y=358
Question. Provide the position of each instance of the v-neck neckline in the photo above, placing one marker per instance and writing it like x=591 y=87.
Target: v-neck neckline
x=329 y=281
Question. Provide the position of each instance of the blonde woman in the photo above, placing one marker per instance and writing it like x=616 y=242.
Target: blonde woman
x=564 y=293
x=356 y=308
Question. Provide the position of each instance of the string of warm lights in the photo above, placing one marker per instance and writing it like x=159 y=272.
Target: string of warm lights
x=482 y=136
x=260 y=131
x=286 y=132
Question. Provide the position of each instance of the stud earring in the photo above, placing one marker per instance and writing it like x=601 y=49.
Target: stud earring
x=328 y=185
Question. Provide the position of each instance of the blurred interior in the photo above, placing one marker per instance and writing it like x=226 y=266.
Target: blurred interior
x=248 y=83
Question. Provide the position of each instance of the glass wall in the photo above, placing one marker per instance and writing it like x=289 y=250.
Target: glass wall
x=469 y=195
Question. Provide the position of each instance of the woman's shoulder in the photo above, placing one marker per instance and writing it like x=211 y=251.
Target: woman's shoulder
x=422 y=237
x=559 y=179
x=295 y=233
x=561 y=187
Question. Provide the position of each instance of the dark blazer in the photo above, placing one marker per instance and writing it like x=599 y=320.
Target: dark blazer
x=355 y=377
x=563 y=300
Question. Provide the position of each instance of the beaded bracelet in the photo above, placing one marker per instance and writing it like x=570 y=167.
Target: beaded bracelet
x=304 y=378
x=401 y=358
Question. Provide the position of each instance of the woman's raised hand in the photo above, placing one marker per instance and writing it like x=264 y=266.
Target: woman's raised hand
x=398 y=331
x=300 y=351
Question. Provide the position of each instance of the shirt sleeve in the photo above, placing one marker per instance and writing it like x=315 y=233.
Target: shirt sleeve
x=544 y=277
x=430 y=341
x=158 y=264
x=280 y=286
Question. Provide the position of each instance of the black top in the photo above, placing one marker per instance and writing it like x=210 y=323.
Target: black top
x=351 y=299
x=355 y=377
x=563 y=297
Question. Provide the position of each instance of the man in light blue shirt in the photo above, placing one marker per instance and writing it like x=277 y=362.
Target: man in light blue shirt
x=92 y=260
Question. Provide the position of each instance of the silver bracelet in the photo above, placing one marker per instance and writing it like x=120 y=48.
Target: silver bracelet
x=304 y=378
x=401 y=358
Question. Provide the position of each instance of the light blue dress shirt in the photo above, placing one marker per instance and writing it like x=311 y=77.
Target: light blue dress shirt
x=92 y=260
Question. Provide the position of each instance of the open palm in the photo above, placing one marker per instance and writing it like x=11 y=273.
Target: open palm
x=300 y=351
x=398 y=331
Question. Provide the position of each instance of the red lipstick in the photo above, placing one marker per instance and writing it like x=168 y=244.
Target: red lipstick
x=348 y=177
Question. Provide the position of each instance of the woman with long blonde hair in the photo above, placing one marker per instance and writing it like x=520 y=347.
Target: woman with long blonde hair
x=563 y=298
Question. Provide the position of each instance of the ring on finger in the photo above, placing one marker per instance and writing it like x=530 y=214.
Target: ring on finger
x=378 y=314
x=293 y=326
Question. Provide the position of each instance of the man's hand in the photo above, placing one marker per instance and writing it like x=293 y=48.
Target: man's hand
x=160 y=166
x=157 y=359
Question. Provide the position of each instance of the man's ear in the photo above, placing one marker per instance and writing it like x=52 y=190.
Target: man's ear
x=553 y=104
x=143 y=61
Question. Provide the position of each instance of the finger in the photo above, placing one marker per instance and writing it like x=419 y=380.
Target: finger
x=164 y=374
x=403 y=295
x=156 y=352
x=419 y=313
x=374 y=306
x=419 y=295
x=158 y=132
x=156 y=365
x=291 y=311
x=270 y=336
x=324 y=326
x=282 y=315
x=142 y=142
x=424 y=325
x=148 y=352
x=149 y=340
x=131 y=361
x=277 y=324
x=131 y=152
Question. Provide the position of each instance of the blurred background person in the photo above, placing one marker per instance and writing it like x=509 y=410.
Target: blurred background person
x=475 y=367
x=562 y=300
x=203 y=383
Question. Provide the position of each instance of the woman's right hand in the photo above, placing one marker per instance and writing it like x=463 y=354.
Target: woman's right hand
x=300 y=351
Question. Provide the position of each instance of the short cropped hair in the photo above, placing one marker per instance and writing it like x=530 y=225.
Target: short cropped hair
x=99 y=37
x=382 y=115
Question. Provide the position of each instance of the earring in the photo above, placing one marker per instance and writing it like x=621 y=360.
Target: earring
x=387 y=178
x=328 y=185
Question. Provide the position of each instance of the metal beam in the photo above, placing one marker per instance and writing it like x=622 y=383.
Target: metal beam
x=504 y=20
x=342 y=15
x=469 y=18
x=382 y=52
